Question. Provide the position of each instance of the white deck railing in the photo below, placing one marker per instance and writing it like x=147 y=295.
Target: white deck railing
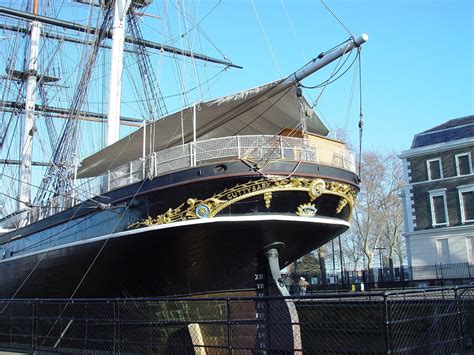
x=257 y=149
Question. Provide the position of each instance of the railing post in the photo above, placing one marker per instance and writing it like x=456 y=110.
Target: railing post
x=191 y=154
x=281 y=147
x=114 y=339
x=33 y=327
x=11 y=323
x=238 y=147
x=459 y=318
x=442 y=276
x=229 y=335
x=387 y=324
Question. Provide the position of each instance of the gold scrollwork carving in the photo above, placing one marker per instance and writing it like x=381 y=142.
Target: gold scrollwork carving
x=346 y=192
x=195 y=208
x=267 y=196
x=316 y=188
x=306 y=210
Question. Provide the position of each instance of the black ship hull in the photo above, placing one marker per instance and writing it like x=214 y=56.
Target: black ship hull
x=195 y=258
x=199 y=231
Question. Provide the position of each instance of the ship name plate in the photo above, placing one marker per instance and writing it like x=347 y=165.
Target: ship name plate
x=195 y=208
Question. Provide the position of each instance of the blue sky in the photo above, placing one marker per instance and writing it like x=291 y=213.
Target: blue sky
x=417 y=66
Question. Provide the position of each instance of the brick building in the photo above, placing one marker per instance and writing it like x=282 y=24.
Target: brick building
x=439 y=194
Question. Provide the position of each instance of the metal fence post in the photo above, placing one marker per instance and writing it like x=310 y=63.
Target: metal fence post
x=115 y=327
x=442 y=276
x=11 y=323
x=387 y=324
x=459 y=317
x=229 y=341
x=33 y=327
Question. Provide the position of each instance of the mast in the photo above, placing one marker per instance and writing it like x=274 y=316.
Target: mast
x=314 y=65
x=115 y=81
x=24 y=191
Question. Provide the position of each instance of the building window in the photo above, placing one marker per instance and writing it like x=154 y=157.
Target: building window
x=466 y=202
x=442 y=250
x=439 y=210
x=435 y=170
x=463 y=163
x=470 y=249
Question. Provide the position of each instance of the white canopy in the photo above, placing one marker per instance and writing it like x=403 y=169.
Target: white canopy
x=263 y=110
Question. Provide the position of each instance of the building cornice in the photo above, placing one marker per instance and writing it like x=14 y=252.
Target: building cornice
x=440 y=180
x=443 y=231
x=439 y=147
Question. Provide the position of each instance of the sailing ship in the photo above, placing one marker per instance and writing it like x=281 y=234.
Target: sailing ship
x=212 y=199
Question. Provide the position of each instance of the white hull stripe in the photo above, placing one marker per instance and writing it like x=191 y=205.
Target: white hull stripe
x=193 y=222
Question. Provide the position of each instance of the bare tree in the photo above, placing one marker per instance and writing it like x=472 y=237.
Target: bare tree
x=377 y=219
x=367 y=221
x=392 y=212
x=352 y=250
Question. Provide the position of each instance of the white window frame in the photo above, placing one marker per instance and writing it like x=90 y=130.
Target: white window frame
x=461 y=190
x=470 y=249
x=456 y=157
x=429 y=170
x=437 y=193
x=439 y=251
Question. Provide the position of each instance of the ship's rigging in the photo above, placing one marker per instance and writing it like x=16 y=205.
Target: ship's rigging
x=62 y=140
x=268 y=134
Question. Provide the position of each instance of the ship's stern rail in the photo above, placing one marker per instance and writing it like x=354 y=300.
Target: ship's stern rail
x=257 y=150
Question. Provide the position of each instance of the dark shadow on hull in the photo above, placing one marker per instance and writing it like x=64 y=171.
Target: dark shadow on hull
x=179 y=260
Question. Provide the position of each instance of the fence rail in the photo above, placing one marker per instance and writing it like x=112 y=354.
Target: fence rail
x=436 y=320
x=384 y=278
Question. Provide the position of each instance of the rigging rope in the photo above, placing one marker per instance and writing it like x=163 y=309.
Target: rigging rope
x=266 y=39
x=361 y=116
x=337 y=18
x=68 y=140
x=153 y=97
x=330 y=77
x=351 y=98
x=96 y=257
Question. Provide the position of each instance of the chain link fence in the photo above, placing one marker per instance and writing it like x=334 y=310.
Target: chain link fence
x=437 y=275
x=432 y=320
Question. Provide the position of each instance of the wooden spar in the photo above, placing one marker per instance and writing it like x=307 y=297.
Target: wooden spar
x=58 y=112
x=35 y=7
x=84 y=29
